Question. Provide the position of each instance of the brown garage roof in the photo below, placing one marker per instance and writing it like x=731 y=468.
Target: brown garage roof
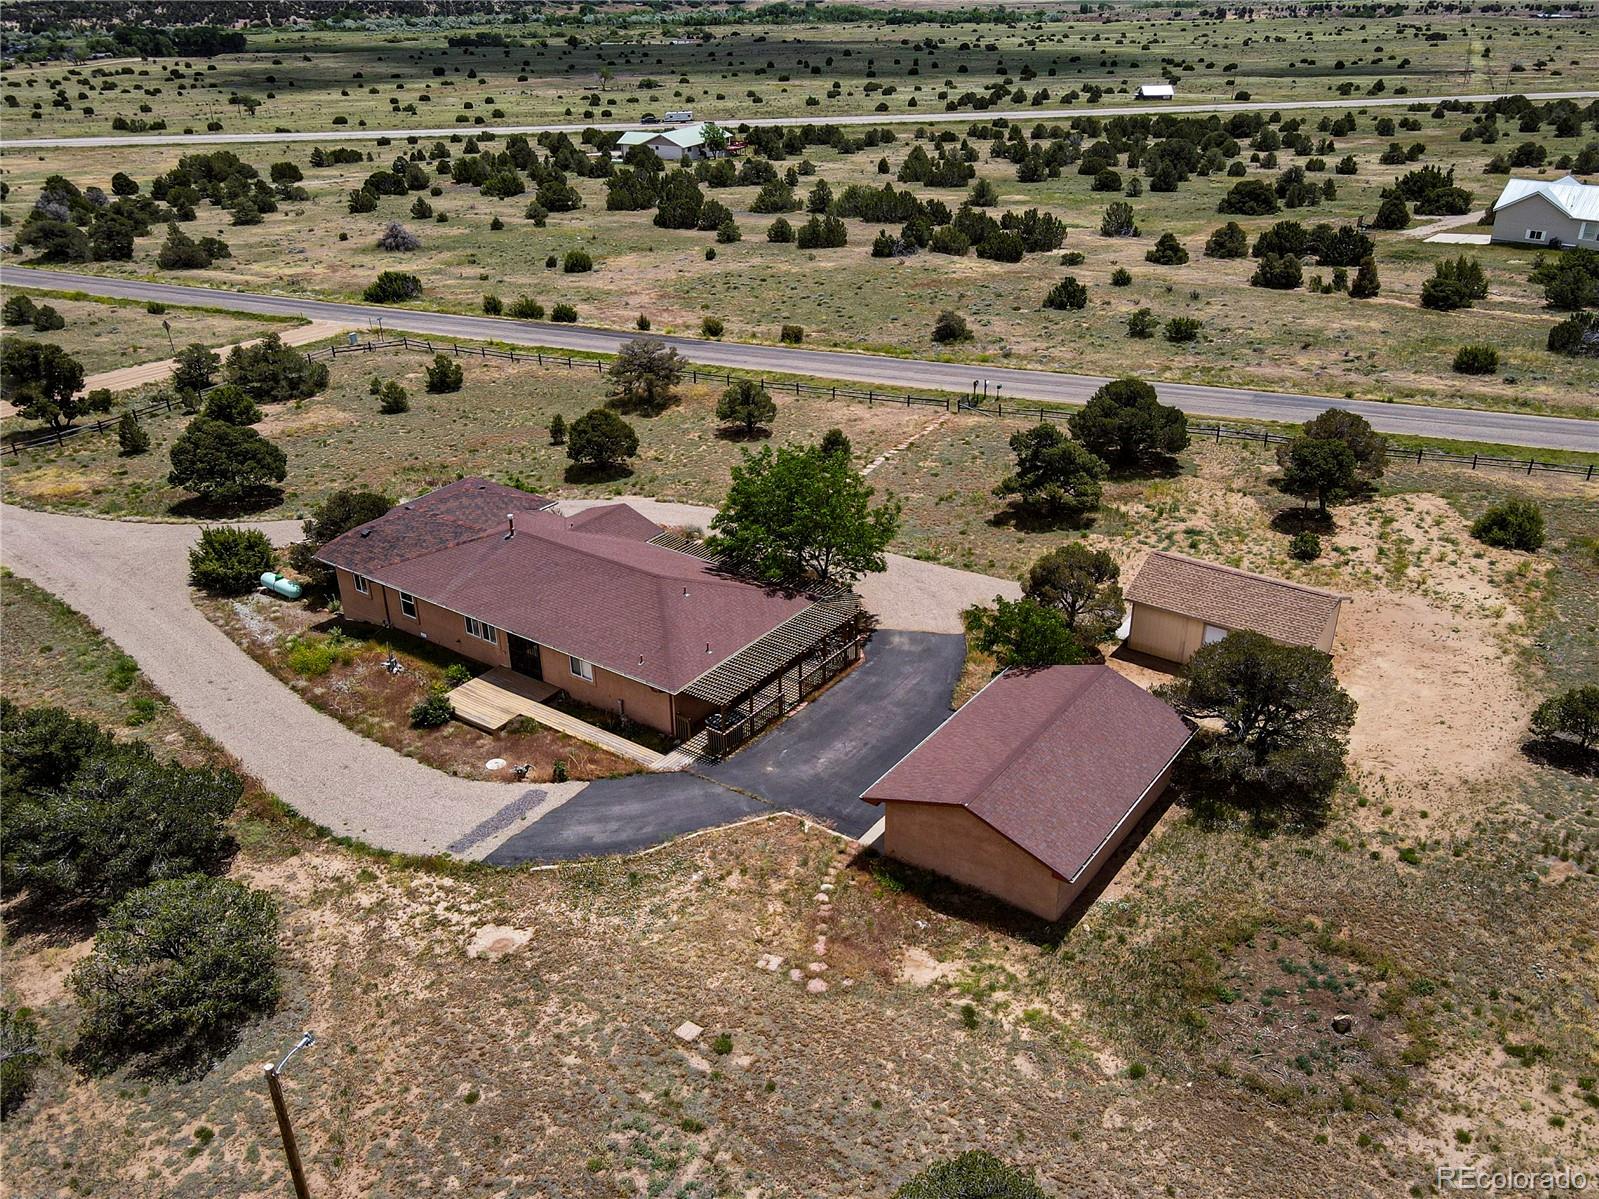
x=1230 y=598
x=1053 y=759
x=590 y=585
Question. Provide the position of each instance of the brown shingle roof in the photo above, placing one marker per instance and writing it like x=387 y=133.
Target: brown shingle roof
x=1052 y=759
x=1230 y=598
x=591 y=585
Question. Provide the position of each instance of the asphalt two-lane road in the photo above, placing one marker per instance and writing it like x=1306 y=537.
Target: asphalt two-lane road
x=1239 y=403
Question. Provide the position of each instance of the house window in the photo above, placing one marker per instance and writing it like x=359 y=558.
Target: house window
x=362 y=585
x=483 y=632
x=408 y=605
x=1213 y=634
x=1535 y=235
x=582 y=670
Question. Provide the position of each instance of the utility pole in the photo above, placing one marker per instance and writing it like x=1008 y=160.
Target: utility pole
x=291 y=1148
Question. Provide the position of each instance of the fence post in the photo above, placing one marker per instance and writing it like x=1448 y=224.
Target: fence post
x=868 y=397
x=1529 y=466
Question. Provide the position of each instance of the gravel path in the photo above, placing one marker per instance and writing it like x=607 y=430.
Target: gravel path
x=130 y=579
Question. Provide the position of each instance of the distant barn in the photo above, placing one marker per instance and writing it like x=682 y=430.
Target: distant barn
x=1156 y=91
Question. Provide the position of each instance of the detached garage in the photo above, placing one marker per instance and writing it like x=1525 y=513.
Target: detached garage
x=1031 y=788
x=1181 y=603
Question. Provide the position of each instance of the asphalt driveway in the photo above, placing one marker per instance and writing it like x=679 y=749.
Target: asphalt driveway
x=624 y=816
x=823 y=756
x=816 y=762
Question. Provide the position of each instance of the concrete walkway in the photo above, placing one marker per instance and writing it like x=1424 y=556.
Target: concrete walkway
x=130 y=579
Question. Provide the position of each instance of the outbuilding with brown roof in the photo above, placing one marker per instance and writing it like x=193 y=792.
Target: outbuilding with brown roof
x=1181 y=604
x=1029 y=790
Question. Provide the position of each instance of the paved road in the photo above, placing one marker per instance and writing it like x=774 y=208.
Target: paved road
x=346 y=133
x=1461 y=424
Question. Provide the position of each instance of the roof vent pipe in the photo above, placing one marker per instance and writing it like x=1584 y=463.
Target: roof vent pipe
x=510 y=525
x=707 y=647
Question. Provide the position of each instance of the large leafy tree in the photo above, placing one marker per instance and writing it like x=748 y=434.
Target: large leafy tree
x=799 y=515
x=1284 y=723
x=45 y=383
x=644 y=374
x=1124 y=423
x=176 y=968
x=220 y=461
x=123 y=819
x=1083 y=585
x=1025 y=633
x=343 y=510
x=1319 y=469
x=1054 y=476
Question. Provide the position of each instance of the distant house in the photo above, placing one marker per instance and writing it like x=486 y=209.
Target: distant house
x=1031 y=788
x=1182 y=603
x=1155 y=91
x=1548 y=212
x=604 y=605
x=672 y=145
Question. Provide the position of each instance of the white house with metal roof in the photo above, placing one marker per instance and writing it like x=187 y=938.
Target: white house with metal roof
x=1559 y=213
x=672 y=145
x=1155 y=91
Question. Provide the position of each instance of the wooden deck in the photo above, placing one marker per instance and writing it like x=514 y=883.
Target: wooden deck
x=491 y=701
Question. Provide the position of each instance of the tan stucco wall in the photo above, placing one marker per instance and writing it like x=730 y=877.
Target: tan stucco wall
x=1177 y=638
x=951 y=841
x=432 y=623
x=1164 y=634
x=642 y=704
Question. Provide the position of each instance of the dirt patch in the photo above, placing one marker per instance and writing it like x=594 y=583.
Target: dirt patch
x=340 y=669
x=1438 y=702
x=297 y=421
x=921 y=969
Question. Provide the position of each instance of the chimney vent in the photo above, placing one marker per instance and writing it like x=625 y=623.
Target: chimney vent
x=510 y=525
x=685 y=593
x=707 y=647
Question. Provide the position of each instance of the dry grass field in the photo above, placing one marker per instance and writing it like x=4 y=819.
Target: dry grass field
x=400 y=74
x=105 y=335
x=1385 y=348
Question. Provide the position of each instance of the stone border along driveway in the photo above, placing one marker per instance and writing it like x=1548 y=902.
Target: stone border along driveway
x=130 y=579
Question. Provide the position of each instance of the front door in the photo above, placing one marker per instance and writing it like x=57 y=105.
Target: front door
x=525 y=657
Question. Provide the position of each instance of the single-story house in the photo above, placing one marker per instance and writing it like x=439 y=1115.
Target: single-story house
x=1182 y=603
x=672 y=145
x=1155 y=91
x=1033 y=785
x=1559 y=213
x=604 y=605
